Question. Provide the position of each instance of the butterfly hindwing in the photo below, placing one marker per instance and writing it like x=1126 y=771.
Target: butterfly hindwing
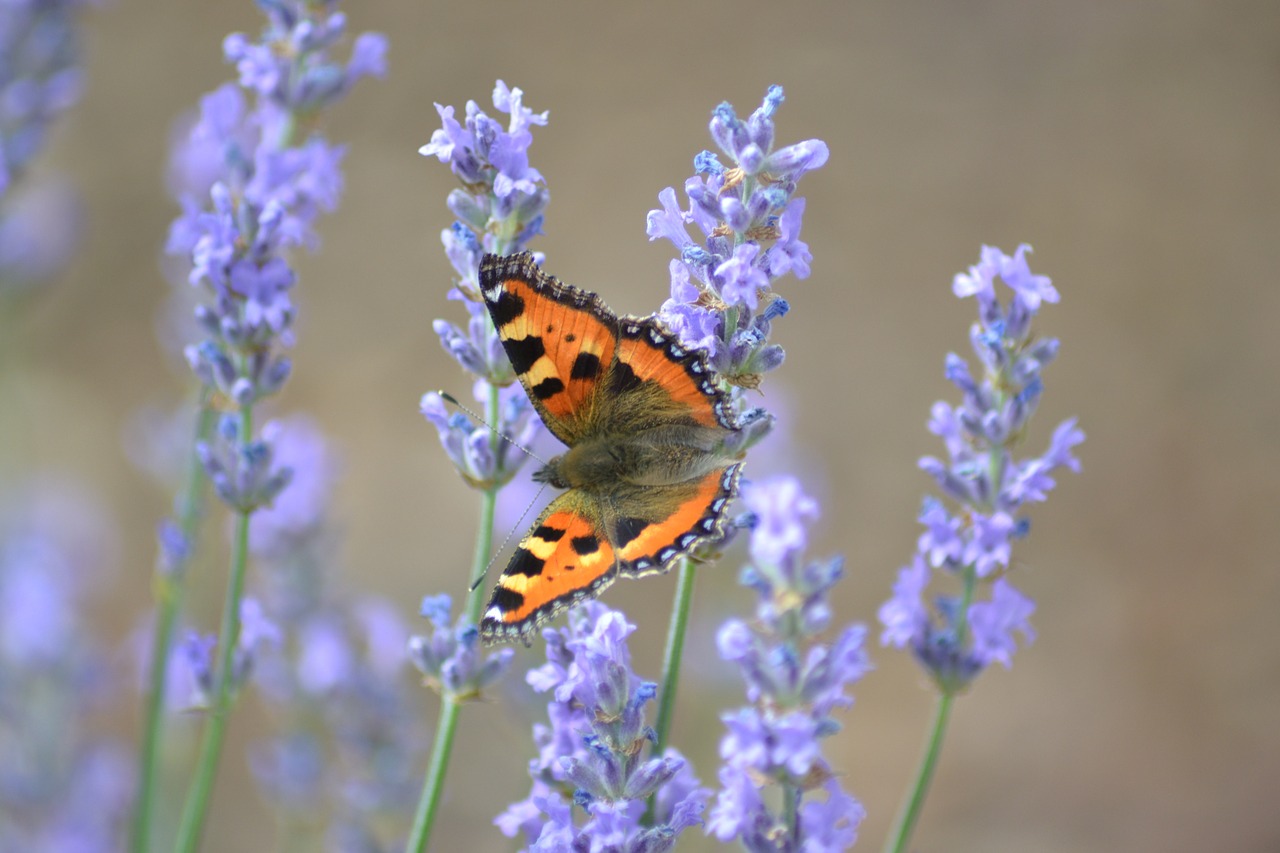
x=561 y=340
x=692 y=513
x=565 y=557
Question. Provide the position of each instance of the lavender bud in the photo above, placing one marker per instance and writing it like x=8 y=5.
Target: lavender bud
x=751 y=158
x=242 y=392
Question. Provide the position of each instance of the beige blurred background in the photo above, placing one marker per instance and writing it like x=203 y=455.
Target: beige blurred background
x=1135 y=145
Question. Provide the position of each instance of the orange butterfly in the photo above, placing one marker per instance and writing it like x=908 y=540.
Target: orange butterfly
x=650 y=467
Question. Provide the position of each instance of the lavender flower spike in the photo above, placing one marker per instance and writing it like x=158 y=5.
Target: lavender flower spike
x=251 y=191
x=498 y=208
x=590 y=751
x=794 y=683
x=749 y=216
x=986 y=483
x=449 y=658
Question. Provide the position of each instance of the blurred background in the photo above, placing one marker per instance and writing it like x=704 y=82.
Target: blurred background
x=1134 y=145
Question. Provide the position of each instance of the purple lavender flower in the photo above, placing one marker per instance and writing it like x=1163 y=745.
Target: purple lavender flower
x=251 y=193
x=450 y=659
x=793 y=681
x=721 y=299
x=241 y=471
x=504 y=197
x=300 y=509
x=590 y=753
x=498 y=209
x=986 y=483
x=61 y=788
x=482 y=462
x=40 y=78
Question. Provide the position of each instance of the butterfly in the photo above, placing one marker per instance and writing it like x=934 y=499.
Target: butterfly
x=650 y=467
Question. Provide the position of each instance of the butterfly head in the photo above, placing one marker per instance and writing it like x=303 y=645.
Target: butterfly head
x=552 y=474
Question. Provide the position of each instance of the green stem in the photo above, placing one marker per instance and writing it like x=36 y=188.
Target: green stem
x=438 y=766
x=905 y=823
x=480 y=560
x=791 y=794
x=170 y=587
x=197 y=803
x=671 y=658
x=969 y=577
x=909 y=814
x=425 y=816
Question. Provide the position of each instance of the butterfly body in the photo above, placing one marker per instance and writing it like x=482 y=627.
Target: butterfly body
x=650 y=466
x=658 y=456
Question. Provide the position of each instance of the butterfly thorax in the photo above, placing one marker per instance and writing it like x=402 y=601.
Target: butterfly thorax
x=662 y=456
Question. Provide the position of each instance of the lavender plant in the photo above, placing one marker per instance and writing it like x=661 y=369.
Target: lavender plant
x=255 y=188
x=591 y=752
x=954 y=637
x=499 y=208
x=772 y=748
x=722 y=299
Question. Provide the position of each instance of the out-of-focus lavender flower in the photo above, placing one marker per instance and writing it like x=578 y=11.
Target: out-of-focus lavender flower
x=299 y=511
x=794 y=683
x=250 y=193
x=61 y=789
x=40 y=226
x=40 y=78
x=240 y=470
x=348 y=736
x=329 y=668
x=988 y=486
x=591 y=751
x=469 y=445
x=449 y=658
x=721 y=290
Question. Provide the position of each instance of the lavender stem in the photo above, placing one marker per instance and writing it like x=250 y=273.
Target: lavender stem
x=672 y=657
x=905 y=823
x=197 y=802
x=425 y=815
x=170 y=588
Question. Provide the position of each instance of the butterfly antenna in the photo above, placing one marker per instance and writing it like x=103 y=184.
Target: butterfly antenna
x=505 y=542
x=449 y=398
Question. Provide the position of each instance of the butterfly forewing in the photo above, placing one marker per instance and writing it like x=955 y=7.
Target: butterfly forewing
x=561 y=340
x=648 y=353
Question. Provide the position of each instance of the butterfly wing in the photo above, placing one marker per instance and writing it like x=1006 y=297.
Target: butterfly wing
x=651 y=528
x=651 y=362
x=561 y=340
x=564 y=558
